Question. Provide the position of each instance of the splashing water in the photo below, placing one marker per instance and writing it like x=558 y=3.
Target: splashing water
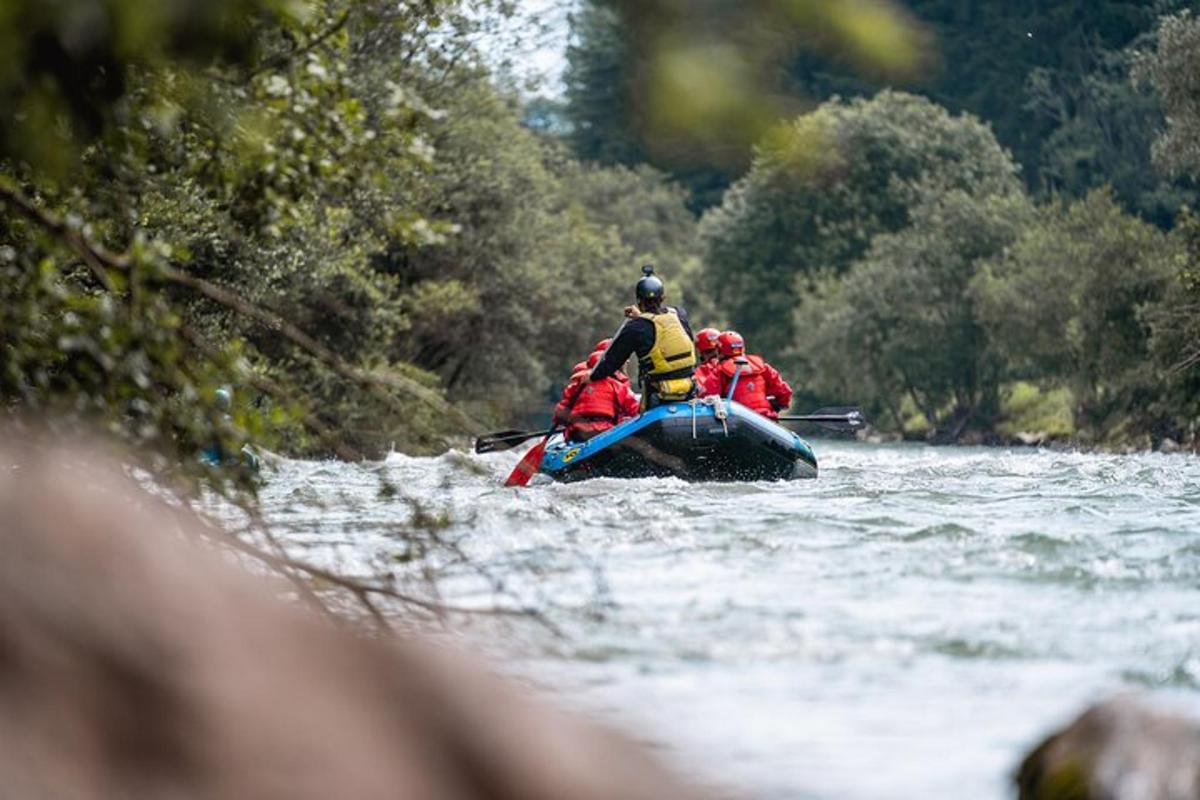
x=905 y=626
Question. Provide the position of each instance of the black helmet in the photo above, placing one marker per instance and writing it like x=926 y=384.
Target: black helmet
x=649 y=288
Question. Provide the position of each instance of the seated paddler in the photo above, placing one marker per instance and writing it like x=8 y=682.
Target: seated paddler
x=589 y=408
x=754 y=383
x=707 y=381
x=662 y=340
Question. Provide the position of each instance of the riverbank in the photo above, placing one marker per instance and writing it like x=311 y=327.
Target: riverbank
x=1029 y=416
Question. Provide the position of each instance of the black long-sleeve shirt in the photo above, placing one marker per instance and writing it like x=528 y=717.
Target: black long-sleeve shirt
x=636 y=335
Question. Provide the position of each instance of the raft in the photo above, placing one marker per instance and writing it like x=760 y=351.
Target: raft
x=710 y=440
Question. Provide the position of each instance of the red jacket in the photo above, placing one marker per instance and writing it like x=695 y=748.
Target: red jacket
x=596 y=407
x=708 y=378
x=758 y=382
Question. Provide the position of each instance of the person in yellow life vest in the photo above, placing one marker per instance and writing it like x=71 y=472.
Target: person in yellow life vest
x=661 y=338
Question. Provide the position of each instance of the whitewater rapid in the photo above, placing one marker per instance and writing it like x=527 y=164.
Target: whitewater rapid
x=904 y=626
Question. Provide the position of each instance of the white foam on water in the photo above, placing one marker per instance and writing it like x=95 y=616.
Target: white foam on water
x=904 y=626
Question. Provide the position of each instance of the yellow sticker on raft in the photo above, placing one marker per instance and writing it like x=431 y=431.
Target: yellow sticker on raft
x=569 y=456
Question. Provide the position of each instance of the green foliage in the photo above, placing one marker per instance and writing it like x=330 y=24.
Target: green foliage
x=88 y=336
x=75 y=357
x=1062 y=305
x=1026 y=409
x=648 y=213
x=990 y=53
x=599 y=88
x=900 y=322
x=67 y=65
x=330 y=204
x=1174 y=72
x=817 y=196
x=543 y=258
x=604 y=120
x=925 y=281
x=1103 y=129
x=1051 y=80
x=1174 y=325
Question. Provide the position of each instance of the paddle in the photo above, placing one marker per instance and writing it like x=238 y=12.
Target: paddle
x=528 y=466
x=834 y=419
x=504 y=440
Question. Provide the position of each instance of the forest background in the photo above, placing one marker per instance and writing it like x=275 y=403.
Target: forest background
x=972 y=218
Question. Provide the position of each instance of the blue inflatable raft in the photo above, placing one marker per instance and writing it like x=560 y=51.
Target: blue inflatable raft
x=709 y=440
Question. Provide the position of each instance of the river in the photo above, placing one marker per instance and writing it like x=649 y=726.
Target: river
x=905 y=626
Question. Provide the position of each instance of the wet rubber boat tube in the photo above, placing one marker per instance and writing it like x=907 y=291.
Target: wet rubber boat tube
x=706 y=440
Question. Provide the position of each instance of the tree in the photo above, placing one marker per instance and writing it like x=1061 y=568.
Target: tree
x=598 y=88
x=901 y=324
x=648 y=211
x=544 y=256
x=1063 y=306
x=815 y=199
x=211 y=217
x=1103 y=127
x=1174 y=326
x=1049 y=78
x=605 y=124
x=90 y=333
x=1174 y=72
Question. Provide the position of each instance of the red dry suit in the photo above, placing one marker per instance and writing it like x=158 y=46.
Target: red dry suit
x=708 y=377
x=758 y=382
x=590 y=408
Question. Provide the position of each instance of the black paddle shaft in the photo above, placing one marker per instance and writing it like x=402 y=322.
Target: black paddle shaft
x=842 y=419
x=505 y=440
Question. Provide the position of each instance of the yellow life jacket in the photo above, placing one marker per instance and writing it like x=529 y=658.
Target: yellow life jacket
x=669 y=365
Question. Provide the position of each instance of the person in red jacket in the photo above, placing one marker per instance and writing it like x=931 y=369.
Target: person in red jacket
x=760 y=387
x=707 y=345
x=591 y=408
x=600 y=347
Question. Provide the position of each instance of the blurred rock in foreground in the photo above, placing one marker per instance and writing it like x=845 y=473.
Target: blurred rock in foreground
x=1118 y=750
x=134 y=663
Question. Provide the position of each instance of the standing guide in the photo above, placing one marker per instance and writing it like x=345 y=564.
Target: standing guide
x=669 y=369
x=662 y=340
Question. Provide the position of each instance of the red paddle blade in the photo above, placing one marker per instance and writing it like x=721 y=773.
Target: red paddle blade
x=528 y=466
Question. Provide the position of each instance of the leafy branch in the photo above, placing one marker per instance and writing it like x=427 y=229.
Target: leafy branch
x=101 y=261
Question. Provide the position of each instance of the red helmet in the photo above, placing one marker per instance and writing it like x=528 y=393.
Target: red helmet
x=602 y=345
x=707 y=340
x=732 y=344
x=594 y=359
